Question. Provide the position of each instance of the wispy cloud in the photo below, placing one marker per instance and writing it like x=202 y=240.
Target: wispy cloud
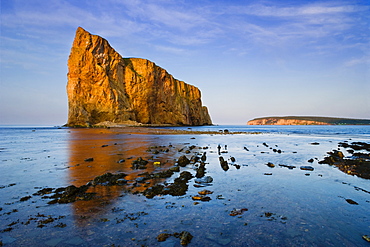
x=180 y=25
x=299 y=10
x=356 y=61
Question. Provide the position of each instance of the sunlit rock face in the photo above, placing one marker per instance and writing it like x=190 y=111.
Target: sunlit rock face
x=277 y=121
x=103 y=86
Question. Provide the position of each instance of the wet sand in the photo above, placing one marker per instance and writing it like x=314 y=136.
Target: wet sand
x=271 y=190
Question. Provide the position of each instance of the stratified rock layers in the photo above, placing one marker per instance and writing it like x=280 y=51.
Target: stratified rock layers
x=307 y=120
x=104 y=86
x=276 y=121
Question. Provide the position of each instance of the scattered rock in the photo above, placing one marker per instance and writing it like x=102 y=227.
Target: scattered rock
x=201 y=198
x=183 y=161
x=201 y=171
x=140 y=179
x=44 y=191
x=205 y=192
x=185 y=238
x=287 y=166
x=366 y=238
x=25 y=198
x=310 y=160
x=139 y=164
x=236 y=212
x=89 y=159
x=307 y=168
x=71 y=194
x=354 y=166
x=356 y=145
x=270 y=165
x=121 y=161
x=223 y=164
x=109 y=179
x=204 y=180
x=204 y=157
x=177 y=188
x=350 y=201
x=163 y=237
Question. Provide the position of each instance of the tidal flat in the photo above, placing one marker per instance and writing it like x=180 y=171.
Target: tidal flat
x=159 y=187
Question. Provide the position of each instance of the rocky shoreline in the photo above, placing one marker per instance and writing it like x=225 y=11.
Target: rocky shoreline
x=154 y=129
x=182 y=180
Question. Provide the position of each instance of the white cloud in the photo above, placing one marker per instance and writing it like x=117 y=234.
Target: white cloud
x=298 y=10
x=358 y=61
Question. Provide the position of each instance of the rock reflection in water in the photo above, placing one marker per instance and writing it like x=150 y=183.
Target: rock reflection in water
x=111 y=151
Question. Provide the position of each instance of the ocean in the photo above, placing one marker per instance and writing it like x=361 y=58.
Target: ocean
x=296 y=201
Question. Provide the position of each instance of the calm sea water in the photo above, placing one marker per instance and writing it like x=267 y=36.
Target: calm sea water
x=288 y=207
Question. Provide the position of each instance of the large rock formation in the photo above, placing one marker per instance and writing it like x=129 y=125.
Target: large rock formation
x=104 y=86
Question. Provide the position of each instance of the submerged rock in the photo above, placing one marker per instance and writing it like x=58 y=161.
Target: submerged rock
x=71 y=194
x=287 y=166
x=163 y=237
x=204 y=180
x=177 y=188
x=139 y=164
x=236 y=212
x=109 y=179
x=185 y=238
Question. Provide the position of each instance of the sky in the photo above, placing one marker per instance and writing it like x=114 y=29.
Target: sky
x=249 y=58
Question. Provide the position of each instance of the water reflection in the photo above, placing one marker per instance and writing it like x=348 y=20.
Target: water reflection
x=107 y=147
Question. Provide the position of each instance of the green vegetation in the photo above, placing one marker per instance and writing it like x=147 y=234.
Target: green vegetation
x=129 y=64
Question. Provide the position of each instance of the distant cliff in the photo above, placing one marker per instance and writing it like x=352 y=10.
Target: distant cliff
x=105 y=87
x=298 y=120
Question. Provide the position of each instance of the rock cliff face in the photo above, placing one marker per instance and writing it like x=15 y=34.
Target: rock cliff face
x=308 y=120
x=276 y=121
x=104 y=86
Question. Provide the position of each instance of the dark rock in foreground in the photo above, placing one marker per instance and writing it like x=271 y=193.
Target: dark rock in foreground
x=356 y=165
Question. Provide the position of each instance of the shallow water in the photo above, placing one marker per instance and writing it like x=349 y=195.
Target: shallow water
x=290 y=207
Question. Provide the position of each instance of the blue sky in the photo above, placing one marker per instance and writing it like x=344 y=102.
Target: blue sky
x=249 y=58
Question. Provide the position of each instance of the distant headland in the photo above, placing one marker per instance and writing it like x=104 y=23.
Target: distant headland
x=106 y=89
x=307 y=120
